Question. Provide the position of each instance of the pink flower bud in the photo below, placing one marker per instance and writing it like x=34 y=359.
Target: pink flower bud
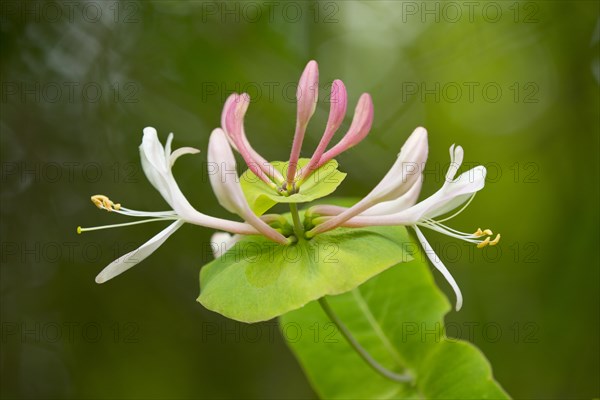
x=306 y=96
x=360 y=127
x=307 y=92
x=337 y=112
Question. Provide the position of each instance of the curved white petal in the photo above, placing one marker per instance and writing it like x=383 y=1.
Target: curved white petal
x=456 y=158
x=153 y=150
x=180 y=152
x=224 y=179
x=130 y=259
x=452 y=194
x=437 y=263
x=406 y=170
x=155 y=177
x=403 y=202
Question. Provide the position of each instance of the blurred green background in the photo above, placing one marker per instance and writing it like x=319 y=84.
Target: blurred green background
x=515 y=83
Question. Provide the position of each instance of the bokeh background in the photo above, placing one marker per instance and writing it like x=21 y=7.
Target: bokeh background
x=515 y=83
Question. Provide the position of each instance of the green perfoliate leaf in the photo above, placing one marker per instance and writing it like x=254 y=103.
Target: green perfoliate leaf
x=257 y=279
x=320 y=183
x=398 y=317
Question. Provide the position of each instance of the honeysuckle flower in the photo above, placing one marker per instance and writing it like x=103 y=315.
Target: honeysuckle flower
x=377 y=209
x=278 y=285
x=157 y=162
x=392 y=202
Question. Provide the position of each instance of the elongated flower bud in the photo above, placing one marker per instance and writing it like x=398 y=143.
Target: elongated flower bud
x=307 y=92
x=359 y=129
x=337 y=112
x=232 y=121
x=307 y=95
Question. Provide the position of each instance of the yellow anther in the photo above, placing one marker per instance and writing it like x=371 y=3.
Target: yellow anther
x=103 y=202
x=484 y=243
x=495 y=241
x=488 y=232
x=478 y=233
x=97 y=200
x=79 y=230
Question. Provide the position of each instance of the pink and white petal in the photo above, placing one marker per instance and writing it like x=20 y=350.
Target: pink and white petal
x=359 y=129
x=226 y=185
x=224 y=180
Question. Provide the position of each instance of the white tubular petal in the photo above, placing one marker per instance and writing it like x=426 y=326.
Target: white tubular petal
x=401 y=203
x=152 y=155
x=221 y=242
x=437 y=263
x=406 y=170
x=224 y=179
x=454 y=194
x=153 y=149
x=450 y=196
x=130 y=259
x=157 y=179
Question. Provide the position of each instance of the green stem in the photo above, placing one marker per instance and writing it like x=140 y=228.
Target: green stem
x=359 y=349
x=298 y=228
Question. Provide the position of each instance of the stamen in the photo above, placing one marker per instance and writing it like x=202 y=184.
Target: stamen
x=495 y=241
x=97 y=228
x=488 y=232
x=484 y=243
x=479 y=233
x=104 y=203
